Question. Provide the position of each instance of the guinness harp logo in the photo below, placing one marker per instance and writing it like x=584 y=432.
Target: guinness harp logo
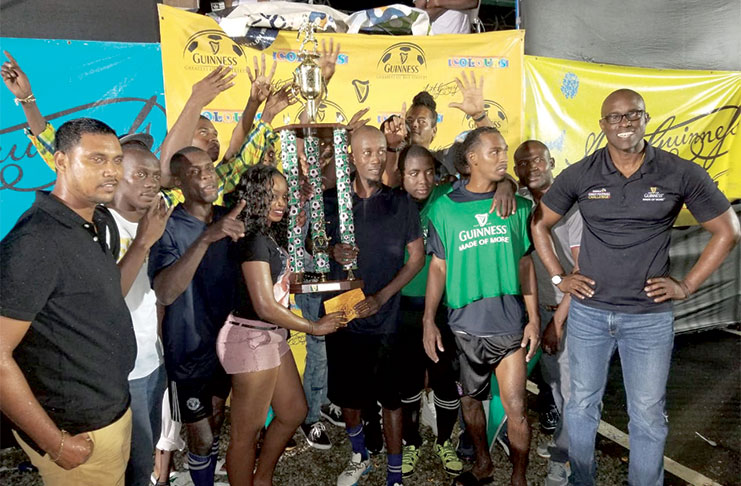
x=362 y=88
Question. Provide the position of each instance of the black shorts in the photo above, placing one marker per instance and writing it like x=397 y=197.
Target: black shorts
x=414 y=361
x=478 y=356
x=191 y=400
x=362 y=369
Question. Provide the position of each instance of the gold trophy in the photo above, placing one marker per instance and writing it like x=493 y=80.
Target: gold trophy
x=309 y=84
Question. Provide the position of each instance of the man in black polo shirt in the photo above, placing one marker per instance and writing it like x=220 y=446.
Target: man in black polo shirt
x=629 y=194
x=66 y=340
x=361 y=357
x=194 y=277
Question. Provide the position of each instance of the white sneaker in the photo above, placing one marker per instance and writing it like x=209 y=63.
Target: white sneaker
x=354 y=470
x=558 y=474
x=543 y=451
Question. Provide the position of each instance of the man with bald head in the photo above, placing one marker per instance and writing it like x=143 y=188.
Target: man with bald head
x=194 y=275
x=534 y=168
x=361 y=357
x=629 y=195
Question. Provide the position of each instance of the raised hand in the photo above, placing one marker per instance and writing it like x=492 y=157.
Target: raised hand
x=473 y=95
x=261 y=79
x=395 y=128
x=328 y=59
x=278 y=101
x=153 y=223
x=15 y=79
x=357 y=120
x=215 y=82
x=229 y=226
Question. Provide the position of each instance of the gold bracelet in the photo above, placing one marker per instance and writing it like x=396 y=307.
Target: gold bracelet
x=28 y=99
x=61 y=446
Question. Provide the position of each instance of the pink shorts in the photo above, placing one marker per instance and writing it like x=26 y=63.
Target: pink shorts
x=242 y=348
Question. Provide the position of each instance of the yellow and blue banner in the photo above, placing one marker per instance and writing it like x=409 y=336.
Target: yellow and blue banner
x=379 y=72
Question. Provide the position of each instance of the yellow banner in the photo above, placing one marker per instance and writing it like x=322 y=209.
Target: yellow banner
x=694 y=114
x=379 y=72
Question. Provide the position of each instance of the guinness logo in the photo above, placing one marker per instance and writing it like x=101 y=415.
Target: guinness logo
x=362 y=88
x=403 y=60
x=208 y=49
x=496 y=114
x=482 y=219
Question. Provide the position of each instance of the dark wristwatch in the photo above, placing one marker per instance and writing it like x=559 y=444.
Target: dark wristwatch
x=397 y=149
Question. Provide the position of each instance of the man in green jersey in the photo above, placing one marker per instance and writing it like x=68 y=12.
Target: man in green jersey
x=482 y=264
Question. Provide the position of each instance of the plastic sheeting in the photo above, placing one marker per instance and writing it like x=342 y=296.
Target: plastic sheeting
x=717 y=302
x=676 y=34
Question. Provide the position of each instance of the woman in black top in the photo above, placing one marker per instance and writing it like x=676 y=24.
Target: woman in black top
x=252 y=344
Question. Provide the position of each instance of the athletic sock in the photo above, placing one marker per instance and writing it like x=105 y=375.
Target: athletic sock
x=393 y=469
x=200 y=470
x=214 y=454
x=447 y=414
x=357 y=440
x=410 y=420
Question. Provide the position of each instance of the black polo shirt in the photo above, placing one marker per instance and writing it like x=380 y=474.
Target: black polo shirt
x=57 y=273
x=627 y=222
x=385 y=223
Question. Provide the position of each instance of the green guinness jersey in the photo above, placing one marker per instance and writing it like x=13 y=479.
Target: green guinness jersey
x=418 y=285
x=482 y=250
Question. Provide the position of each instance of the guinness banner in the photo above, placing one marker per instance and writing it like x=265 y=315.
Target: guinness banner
x=694 y=114
x=380 y=72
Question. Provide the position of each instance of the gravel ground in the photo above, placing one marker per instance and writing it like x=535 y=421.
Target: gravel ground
x=305 y=466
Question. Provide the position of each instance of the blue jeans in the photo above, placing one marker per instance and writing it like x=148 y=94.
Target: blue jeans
x=146 y=418
x=315 y=373
x=644 y=342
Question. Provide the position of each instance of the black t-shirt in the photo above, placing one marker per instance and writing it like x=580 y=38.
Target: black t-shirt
x=260 y=248
x=192 y=322
x=57 y=273
x=627 y=222
x=384 y=224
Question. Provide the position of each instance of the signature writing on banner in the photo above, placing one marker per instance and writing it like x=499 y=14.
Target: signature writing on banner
x=703 y=139
x=12 y=158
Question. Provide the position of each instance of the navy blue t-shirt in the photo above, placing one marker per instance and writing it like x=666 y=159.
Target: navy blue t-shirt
x=192 y=322
x=384 y=224
x=628 y=221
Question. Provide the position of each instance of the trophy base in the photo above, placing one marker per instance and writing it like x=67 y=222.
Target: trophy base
x=328 y=286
